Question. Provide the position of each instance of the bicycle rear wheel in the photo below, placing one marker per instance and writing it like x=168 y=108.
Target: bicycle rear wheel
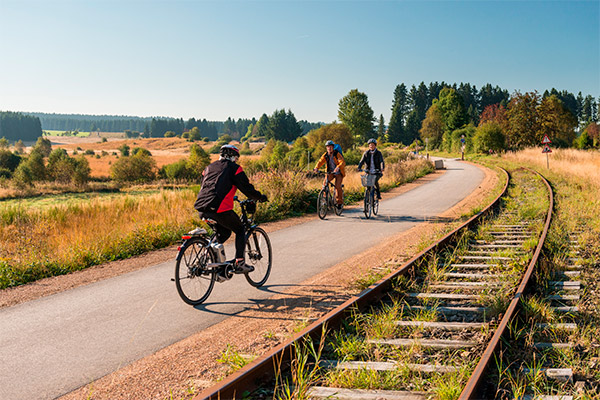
x=322 y=203
x=193 y=280
x=260 y=255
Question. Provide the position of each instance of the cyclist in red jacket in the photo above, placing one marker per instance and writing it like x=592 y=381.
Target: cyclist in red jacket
x=220 y=181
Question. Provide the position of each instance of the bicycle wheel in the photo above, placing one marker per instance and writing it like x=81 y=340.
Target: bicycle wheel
x=193 y=280
x=322 y=203
x=368 y=202
x=375 y=205
x=338 y=211
x=260 y=255
x=366 y=206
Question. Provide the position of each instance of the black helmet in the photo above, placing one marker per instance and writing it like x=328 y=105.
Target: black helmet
x=371 y=141
x=329 y=143
x=229 y=150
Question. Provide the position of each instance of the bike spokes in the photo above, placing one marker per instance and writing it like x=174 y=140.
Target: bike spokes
x=258 y=254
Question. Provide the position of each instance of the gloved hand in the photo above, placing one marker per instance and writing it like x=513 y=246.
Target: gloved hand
x=263 y=198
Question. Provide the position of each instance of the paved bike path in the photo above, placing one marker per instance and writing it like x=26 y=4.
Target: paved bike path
x=53 y=345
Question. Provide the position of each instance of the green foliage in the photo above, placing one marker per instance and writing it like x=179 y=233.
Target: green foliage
x=452 y=141
x=140 y=150
x=197 y=161
x=171 y=134
x=89 y=152
x=355 y=112
x=9 y=160
x=339 y=133
x=489 y=136
x=43 y=146
x=137 y=168
x=22 y=177
x=433 y=127
x=4 y=143
x=396 y=129
x=35 y=163
x=523 y=120
x=283 y=126
x=124 y=149
x=352 y=156
x=556 y=121
x=452 y=109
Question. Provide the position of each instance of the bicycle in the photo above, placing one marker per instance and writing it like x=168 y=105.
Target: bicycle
x=201 y=261
x=326 y=199
x=371 y=202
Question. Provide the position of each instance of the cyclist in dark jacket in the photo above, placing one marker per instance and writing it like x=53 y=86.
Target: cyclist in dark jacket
x=374 y=164
x=220 y=181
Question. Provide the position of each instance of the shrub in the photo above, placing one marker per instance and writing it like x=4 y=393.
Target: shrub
x=352 y=157
x=89 y=152
x=9 y=160
x=124 y=149
x=140 y=150
x=138 y=168
x=489 y=136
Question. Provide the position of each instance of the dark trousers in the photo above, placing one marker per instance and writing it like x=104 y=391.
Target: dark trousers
x=377 y=184
x=228 y=222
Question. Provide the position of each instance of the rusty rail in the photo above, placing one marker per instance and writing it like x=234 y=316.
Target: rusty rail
x=263 y=368
x=473 y=387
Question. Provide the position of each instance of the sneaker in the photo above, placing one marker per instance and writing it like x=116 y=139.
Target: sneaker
x=378 y=196
x=242 y=268
x=338 y=206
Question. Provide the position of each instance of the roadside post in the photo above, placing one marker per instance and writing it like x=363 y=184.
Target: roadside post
x=427 y=147
x=546 y=141
x=462 y=147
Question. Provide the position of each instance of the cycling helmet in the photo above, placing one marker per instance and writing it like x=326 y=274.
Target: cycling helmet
x=329 y=143
x=229 y=150
x=371 y=141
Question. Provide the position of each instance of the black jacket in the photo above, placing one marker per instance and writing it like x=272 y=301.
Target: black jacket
x=377 y=157
x=220 y=180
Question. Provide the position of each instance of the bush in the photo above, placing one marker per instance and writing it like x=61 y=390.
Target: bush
x=352 y=157
x=89 y=152
x=138 y=168
x=140 y=150
x=489 y=136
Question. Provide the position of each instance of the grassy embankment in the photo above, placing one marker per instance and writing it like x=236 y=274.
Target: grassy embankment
x=575 y=178
x=52 y=239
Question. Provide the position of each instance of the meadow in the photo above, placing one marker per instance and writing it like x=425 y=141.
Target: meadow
x=53 y=235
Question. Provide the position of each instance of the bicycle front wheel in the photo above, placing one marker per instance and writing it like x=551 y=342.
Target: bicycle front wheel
x=338 y=211
x=322 y=204
x=260 y=255
x=193 y=279
x=368 y=203
x=375 y=205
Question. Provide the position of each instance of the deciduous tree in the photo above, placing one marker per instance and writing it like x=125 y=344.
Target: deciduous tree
x=356 y=113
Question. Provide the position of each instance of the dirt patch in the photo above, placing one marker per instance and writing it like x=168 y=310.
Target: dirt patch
x=191 y=365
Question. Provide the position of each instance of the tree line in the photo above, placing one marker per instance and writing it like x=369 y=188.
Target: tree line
x=15 y=126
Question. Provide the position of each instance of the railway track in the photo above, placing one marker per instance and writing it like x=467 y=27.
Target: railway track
x=429 y=329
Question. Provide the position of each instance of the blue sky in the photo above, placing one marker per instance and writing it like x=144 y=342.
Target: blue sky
x=241 y=59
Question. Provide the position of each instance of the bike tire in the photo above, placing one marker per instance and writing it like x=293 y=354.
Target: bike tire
x=322 y=204
x=193 y=280
x=337 y=211
x=259 y=254
x=369 y=203
x=375 y=205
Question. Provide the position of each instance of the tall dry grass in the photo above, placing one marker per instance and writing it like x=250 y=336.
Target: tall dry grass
x=568 y=162
x=37 y=242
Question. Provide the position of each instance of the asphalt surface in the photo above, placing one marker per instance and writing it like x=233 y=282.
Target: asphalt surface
x=53 y=345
